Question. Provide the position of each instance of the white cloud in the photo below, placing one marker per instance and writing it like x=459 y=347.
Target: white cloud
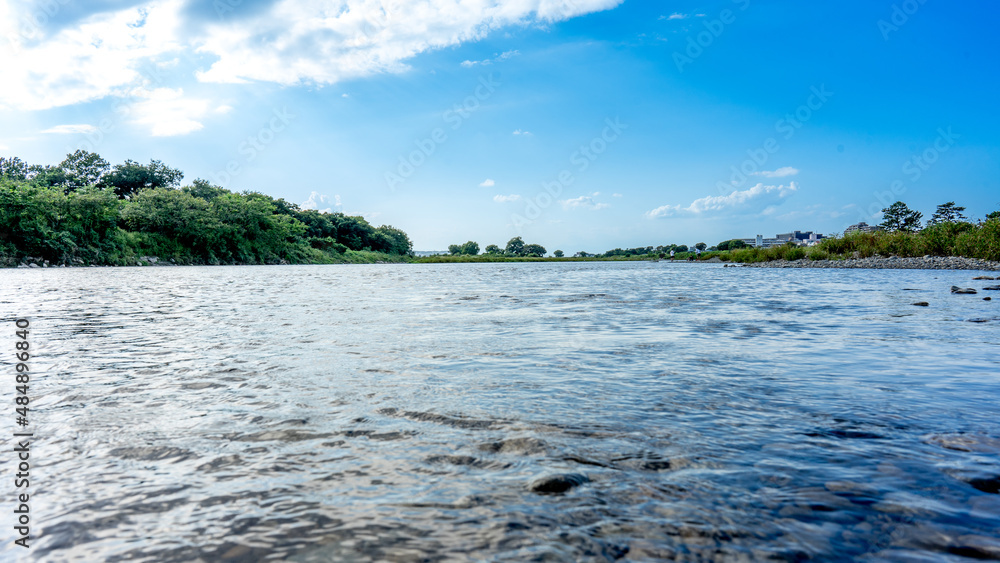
x=583 y=202
x=316 y=199
x=735 y=200
x=674 y=16
x=71 y=129
x=167 y=113
x=496 y=59
x=506 y=198
x=617 y=195
x=779 y=173
x=308 y=41
x=520 y=132
x=286 y=42
x=100 y=56
x=487 y=183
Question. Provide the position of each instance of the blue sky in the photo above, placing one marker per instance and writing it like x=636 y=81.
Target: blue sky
x=576 y=124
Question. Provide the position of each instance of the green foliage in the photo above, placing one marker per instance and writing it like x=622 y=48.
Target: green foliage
x=947 y=213
x=468 y=249
x=818 y=254
x=899 y=217
x=701 y=246
x=131 y=177
x=59 y=214
x=993 y=216
x=534 y=250
x=493 y=249
x=515 y=247
x=13 y=168
x=731 y=244
x=558 y=254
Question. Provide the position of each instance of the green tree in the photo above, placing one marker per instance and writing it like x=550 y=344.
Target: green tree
x=493 y=249
x=948 y=213
x=731 y=244
x=396 y=241
x=13 y=168
x=206 y=191
x=533 y=250
x=129 y=178
x=701 y=246
x=899 y=217
x=993 y=216
x=515 y=247
x=454 y=249
x=470 y=248
x=558 y=254
x=83 y=168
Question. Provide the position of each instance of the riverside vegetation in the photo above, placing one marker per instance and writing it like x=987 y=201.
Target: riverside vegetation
x=85 y=212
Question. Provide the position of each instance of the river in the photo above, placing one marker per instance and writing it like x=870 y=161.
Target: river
x=420 y=412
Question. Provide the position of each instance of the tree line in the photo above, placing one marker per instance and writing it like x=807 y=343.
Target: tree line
x=85 y=211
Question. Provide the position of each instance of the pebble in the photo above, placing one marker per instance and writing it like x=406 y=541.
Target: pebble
x=557 y=483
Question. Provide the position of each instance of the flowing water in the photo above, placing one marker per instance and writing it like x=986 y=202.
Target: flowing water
x=505 y=412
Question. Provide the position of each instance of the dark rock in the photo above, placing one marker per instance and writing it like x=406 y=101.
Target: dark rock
x=556 y=484
x=987 y=299
x=987 y=485
x=966 y=291
x=921 y=304
x=992 y=288
x=983 y=278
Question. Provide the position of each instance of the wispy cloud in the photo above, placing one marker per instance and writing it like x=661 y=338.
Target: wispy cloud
x=738 y=200
x=522 y=132
x=496 y=59
x=674 y=16
x=583 y=202
x=70 y=129
x=779 y=173
x=487 y=183
x=506 y=198
x=617 y=195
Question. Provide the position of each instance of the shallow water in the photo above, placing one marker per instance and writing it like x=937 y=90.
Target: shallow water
x=405 y=413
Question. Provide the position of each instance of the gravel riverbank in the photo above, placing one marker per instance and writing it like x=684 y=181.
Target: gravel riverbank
x=889 y=263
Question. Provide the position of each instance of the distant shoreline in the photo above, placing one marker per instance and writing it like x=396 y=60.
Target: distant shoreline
x=885 y=263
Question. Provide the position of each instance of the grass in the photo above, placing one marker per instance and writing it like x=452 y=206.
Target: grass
x=945 y=239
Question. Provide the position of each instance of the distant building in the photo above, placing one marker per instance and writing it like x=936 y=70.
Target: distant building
x=807 y=238
x=861 y=228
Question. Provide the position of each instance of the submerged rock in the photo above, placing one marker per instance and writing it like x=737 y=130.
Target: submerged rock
x=963 y=291
x=992 y=288
x=555 y=484
x=922 y=304
x=987 y=299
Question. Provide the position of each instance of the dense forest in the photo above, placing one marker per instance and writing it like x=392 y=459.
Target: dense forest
x=83 y=211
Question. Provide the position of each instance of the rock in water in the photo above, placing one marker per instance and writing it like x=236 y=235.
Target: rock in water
x=922 y=304
x=961 y=291
x=555 y=484
x=992 y=288
x=987 y=299
x=983 y=278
